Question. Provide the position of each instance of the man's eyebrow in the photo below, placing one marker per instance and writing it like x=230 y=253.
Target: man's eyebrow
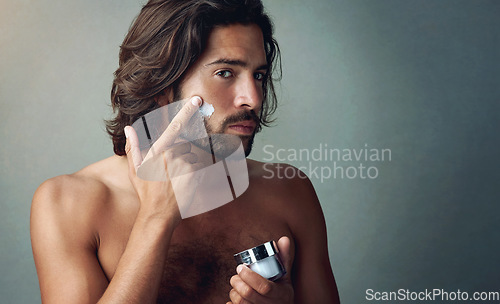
x=234 y=62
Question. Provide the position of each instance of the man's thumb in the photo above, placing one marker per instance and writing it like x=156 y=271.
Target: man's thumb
x=132 y=148
x=285 y=254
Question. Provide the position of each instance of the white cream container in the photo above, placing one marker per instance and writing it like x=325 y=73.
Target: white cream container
x=264 y=260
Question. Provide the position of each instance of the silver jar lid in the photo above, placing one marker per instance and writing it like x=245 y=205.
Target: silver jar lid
x=257 y=253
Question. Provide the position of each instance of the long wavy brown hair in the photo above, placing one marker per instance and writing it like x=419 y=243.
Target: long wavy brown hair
x=165 y=39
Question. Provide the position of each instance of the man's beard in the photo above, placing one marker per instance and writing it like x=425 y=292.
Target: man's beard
x=241 y=116
x=247 y=140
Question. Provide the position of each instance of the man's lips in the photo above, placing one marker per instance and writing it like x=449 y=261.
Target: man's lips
x=244 y=127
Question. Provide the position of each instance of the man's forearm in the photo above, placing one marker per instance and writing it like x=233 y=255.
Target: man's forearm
x=140 y=269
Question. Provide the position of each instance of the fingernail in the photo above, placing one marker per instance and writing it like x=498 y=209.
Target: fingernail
x=196 y=101
x=126 y=131
x=239 y=268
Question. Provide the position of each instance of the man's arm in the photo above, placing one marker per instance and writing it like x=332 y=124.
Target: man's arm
x=65 y=243
x=64 y=246
x=65 y=238
x=312 y=276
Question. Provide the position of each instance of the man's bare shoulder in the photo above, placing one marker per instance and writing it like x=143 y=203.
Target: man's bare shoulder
x=278 y=175
x=284 y=182
x=66 y=210
x=80 y=192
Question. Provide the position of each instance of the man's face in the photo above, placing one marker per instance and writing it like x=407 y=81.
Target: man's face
x=229 y=75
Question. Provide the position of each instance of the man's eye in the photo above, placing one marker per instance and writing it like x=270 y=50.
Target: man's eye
x=260 y=76
x=224 y=74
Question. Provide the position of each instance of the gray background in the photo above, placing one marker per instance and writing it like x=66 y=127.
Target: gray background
x=418 y=77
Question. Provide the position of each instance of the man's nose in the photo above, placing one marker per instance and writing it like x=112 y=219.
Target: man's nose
x=249 y=94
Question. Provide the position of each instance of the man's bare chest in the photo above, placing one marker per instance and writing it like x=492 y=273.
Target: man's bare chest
x=197 y=271
x=200 y=259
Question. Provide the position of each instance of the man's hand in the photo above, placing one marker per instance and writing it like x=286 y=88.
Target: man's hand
x=157 y=197
x=250 y=287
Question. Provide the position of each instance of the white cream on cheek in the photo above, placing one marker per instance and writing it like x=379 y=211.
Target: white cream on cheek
x=206 y=109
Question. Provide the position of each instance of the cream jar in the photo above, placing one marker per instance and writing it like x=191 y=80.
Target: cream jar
x=264 y=260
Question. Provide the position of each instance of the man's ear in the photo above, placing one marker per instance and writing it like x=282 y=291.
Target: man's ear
x=165 y=97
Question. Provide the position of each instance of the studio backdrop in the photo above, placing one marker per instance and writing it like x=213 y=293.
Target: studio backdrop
x=392 y=108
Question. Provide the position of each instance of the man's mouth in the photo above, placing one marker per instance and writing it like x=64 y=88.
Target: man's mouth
x=246 y=127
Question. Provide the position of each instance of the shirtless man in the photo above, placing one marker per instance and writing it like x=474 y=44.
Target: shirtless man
x=103 y=235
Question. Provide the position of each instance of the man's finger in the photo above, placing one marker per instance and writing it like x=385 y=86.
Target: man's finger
x=179 y=150
x=177 y=124
x=260 y=284
x=132 y=148
x=284 y=253
x=243 y=293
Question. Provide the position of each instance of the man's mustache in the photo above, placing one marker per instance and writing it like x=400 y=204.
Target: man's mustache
x=241 y=116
